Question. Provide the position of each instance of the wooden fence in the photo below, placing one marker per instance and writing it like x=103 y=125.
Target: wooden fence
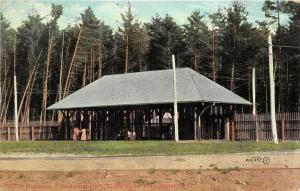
x=32 y=131
x=288 y=127
x=246 y=128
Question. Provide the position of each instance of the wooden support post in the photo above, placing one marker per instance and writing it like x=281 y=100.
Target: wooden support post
x=160 y=114
x=90 y=125
x=227 y=129
x=199 y=127
x=195 y=123
x=149 y=124
x=232 y=130
x=106 y=123
x=68 y=126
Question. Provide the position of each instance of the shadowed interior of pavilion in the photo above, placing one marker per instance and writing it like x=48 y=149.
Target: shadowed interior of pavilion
x=142 y=102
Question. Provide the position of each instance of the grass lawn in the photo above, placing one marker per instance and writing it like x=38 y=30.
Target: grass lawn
x=138 y=148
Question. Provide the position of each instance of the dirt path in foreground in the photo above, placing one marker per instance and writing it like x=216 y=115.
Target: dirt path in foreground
x=159 y=180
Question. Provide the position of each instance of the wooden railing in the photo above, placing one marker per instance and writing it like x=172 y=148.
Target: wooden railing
x=288 y=127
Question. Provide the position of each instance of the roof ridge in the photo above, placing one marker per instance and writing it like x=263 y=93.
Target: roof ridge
x=130 y=73
x=194 y=83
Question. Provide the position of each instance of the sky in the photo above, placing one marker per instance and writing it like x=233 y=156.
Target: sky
x=109 y=11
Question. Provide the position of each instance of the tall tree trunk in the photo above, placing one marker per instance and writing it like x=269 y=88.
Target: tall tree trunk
x=213 y=59
x=45 y=91
x=6 y=107
x=232 y=77
x=233 y=60
x=28 y=97
x=61 y=67
x=287 y=91
x=140 y=63
x=72 y=65
x=4 y=92
x=126 y=55
x=84 y=73
x=100 y=60
x=28 y=85
x=195 y=61
x=59 y=114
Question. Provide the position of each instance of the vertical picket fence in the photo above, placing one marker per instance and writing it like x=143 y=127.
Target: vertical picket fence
x=288 y=127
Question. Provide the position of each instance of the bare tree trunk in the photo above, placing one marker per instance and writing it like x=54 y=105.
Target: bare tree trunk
x=28 y=85
x=195 y=61
x=84 y=73
x=61 y=67
x=4 y=117
x=45 y=91
x=100 y=60
x=72 y=65
x=213 y=59
x=59 y=114
x=126 y=55
x=25 y=119
x=4 y=92
x=140 y=63
x=93 y=66
x=232 y=77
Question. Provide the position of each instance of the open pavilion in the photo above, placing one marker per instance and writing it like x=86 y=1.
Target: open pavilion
x=142 y=103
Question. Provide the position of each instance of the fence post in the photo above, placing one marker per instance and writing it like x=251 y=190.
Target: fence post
x=32 y=133
x=256 y=128
x=8 y=133
x=282 y=128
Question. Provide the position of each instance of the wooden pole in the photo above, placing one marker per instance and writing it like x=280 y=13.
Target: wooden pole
x=16 y=96
x=175 y=100
x=272 y=91
x=254 y=102
x=253 y=92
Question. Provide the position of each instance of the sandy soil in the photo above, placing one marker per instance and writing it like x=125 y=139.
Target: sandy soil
x=234 y=179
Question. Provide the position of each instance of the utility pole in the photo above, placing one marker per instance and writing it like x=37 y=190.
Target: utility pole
x=253 y=92
x=254 y=101
x=272 y=91
x=16 y=96
x=175 y=100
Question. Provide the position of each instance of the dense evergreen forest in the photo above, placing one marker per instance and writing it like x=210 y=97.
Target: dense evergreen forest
x=51 y=63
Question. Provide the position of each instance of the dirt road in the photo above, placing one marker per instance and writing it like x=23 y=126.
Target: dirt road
x=255 y=171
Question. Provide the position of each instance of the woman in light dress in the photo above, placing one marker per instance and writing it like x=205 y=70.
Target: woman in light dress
x=75 y=134
x=83 y=135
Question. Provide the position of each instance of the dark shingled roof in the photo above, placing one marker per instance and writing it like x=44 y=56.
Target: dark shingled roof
x=151 y=87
